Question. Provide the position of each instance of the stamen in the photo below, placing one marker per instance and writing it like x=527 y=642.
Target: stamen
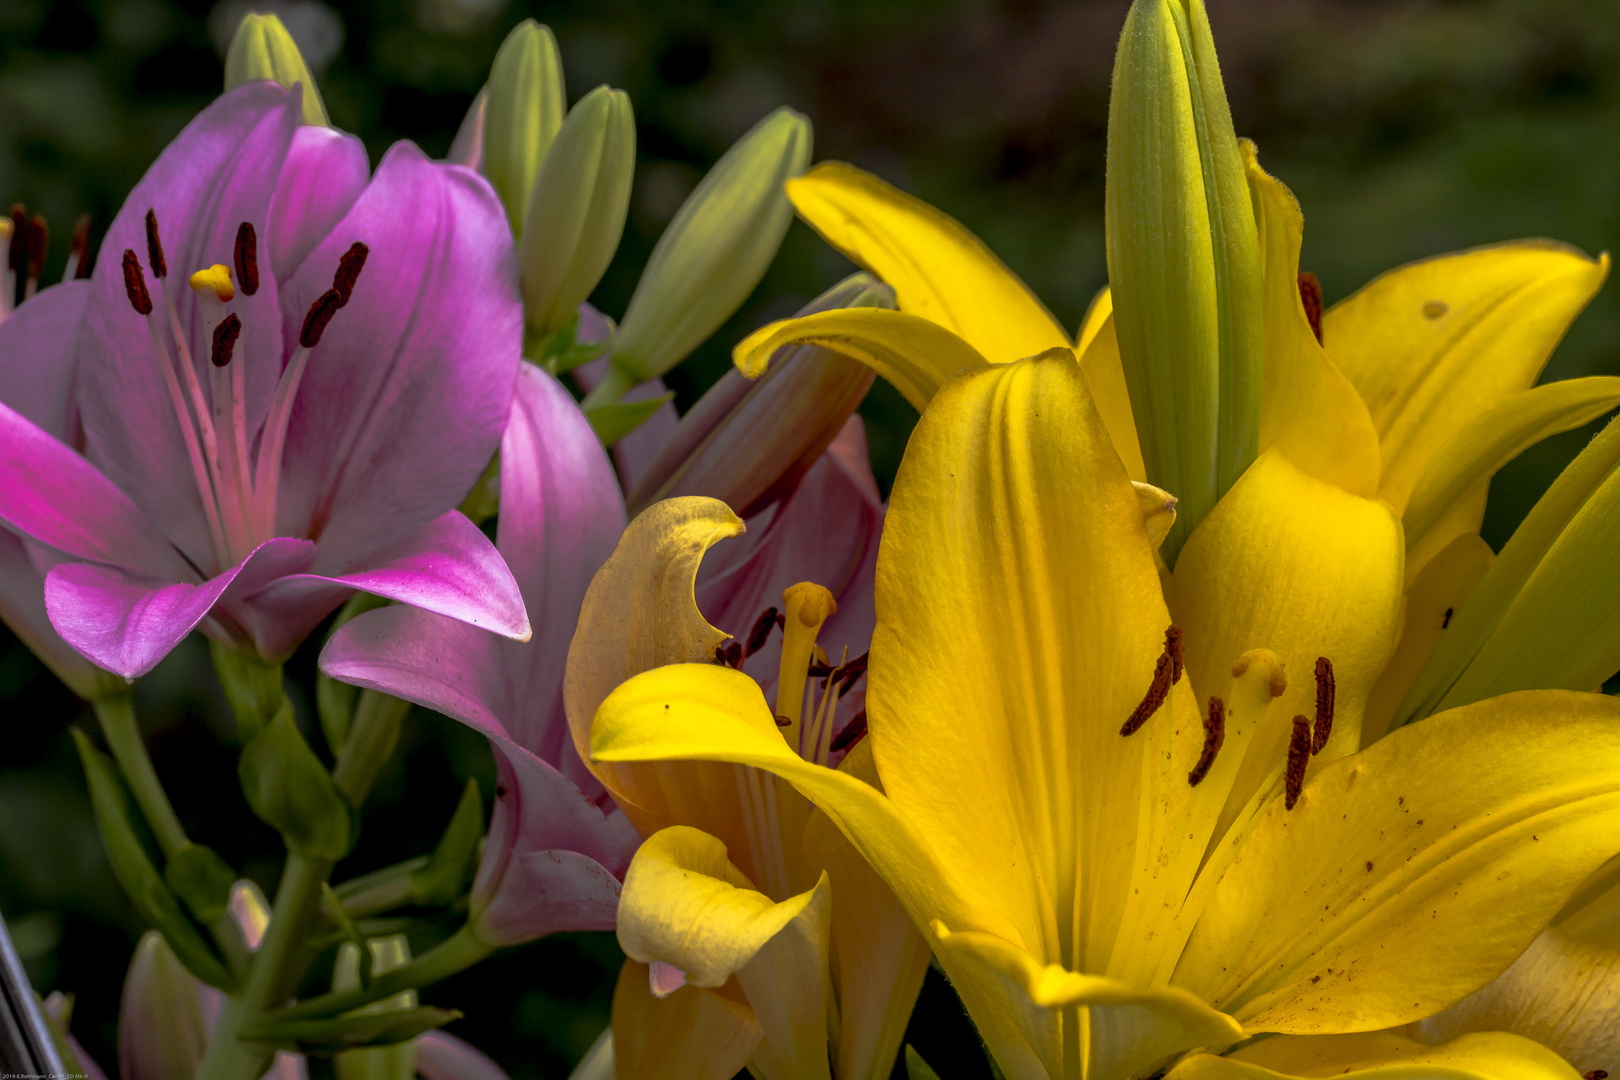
x=850 y=673
x=1299 y=756
x=1445 y=622
x=1166 y=673
x=78 y=263
x=1324 y=704
x=1172 y=645
x=1310 y=294
x=247 y=258
x=135 y=284
x=39 y=239
x=1214 y=736
x=734 y=654
x=808 y=605
x=761 y=632
x=348 y=271
x=320 y=313
x=225 y=335
x=851 y=734
x=154 y=247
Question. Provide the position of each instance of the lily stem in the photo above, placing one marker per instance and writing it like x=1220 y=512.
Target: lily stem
x=116 y=711
x=614 y=385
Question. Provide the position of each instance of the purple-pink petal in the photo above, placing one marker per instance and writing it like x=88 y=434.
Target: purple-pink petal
x=406 y=395
x=220 y=172
x=442 y=1056
x=325 y=172
x=22 y=607
x=127 y=623
x=36 y=358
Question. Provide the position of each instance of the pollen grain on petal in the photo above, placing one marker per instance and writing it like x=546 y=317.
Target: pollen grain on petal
x=1325 y=691
x=135 y=284
x=247 y=258
x=1299 y=756
x=1214 y=736
x=154 y=247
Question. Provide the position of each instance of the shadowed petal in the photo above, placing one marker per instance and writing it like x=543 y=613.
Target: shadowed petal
x=22 y=607
x=36 y=357
x=1379 y=1055
x=127 y=624
x=406 y=395
x=442 y=1056
x=324 y=174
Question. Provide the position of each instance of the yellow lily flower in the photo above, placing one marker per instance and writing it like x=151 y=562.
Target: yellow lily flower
x=739 y=953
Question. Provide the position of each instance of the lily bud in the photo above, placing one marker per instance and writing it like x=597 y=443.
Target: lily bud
x=577 y=209
x=712 y=255
x=162 y=1030
x=289 y=788
x=748 y=442
x=396 y=1062
x=262 y=49
x=1183 y=260
x=522 y=115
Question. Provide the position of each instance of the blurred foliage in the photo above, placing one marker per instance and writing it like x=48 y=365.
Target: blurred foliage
x=1406 y=127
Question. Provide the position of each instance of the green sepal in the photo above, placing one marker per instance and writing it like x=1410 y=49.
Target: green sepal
x=453 y=861
x=334 y=908
x=133 y=867
x=324 y=1037
x=335 y=701
x=201 y=879
x=563 y=351
x=253 y=688
x=289 y=789
x=613 y=422
x=916 y=1067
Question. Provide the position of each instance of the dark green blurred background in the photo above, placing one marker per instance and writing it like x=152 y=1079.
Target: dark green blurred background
x=1406 y=128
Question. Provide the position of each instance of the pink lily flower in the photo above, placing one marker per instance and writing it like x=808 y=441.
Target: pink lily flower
x=557 y=846
x=258 y=442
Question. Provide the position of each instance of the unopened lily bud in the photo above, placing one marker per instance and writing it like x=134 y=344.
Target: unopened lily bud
x=748 y=442
x=467 y=148
x=162 y=1029
x=262 y=49
x=577 y=209
x=1183 y=260
x=396 y=1062
x=712 y=254
x=523 y=114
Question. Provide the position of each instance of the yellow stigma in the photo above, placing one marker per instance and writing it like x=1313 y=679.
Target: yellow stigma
x=808 y=606
x=810 y=603
x=217 y=278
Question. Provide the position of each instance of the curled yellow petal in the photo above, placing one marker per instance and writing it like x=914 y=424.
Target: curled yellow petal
x=692 y=1033
x=1381 y=1056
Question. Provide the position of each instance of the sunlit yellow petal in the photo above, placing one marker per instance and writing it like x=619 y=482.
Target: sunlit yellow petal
x=1497 y=436
x=1432 y=602
x=1097 y=313
x=1409 y=875
x=1381 y=1056
x=1105 y=378
x=693 y=1033
x=914 y=354
x=1562 y=992
x=1308 y=409
x=939 y=270
x=1127 y=1030
x=1432 y=345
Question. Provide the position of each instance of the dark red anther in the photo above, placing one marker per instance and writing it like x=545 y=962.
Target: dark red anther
x=1324 y=704
x=1299 y=756
x=320 y=313
x=154 y=247
x=783 y=721
x=135 y=284
x=1214 y=736
x=247 y=259
x=348 y=271
x=761 y=632
x=848 y=675
x=719 y=655
x=39 y=239
x=225 y=335
x=851 y=734
x=734 y=654
x=1172 y=645
x=1445 y=622
x=1166 y=673
x=781 y=622
x=1595 y=1074
x=79 y=248
x=1310 y=294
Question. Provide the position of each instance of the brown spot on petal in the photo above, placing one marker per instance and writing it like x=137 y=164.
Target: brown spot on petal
x=1310 y=295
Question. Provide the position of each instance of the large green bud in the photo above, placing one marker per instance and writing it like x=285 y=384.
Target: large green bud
x=262 y=49
x=1183 y=260
x=523 y=114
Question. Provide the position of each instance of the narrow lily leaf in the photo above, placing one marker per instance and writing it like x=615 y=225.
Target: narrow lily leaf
x=913 y=353
x=1381 y=1056
x=348 y=1032
x=1432 y=345
x=940 y=271
x=1497 y=436
x=693 y=1033
x=202 y=879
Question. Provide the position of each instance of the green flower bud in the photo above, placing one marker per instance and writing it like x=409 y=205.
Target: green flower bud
x=522 y=115
x=712 y=255
x=253 y=688
x=162 y=1032
x=289 y=788
x=396 y=1062
x=576 y=211
x=262 y=49
x=1183 y=260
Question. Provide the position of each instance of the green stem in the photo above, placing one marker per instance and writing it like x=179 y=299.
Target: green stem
x=370 y=744
x=117 y=715
x=614 y=385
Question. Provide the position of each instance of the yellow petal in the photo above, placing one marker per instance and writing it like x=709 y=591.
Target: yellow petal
x=878 y=957
x=1434 y=344
x=1562 y=993
x=1408 y=875
x=1308 y=410
x=640 y=613
x=692 y=1033
x=1105 y=378
x=914 y=354
x=1497 y=436
x=1431 y=604
x=1381 y=1056
x=1097 y=313
x=939 y=270
x=1127 y=1029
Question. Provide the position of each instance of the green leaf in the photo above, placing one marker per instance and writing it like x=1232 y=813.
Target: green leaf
x=289 y=789
x=453 y=861
x=253 y=688
x=200 y=878
x=614 y=422
x=348 y=1032
x=916 y=1067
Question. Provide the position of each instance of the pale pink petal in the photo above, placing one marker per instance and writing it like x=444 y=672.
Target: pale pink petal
x=36 y=358
x=442 y=1056
x=637 y=450
x=325 y=172
x=22 y=607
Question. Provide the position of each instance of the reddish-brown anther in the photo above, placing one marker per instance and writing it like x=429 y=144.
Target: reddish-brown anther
x=1310 y=294
x=1172 y=646
x=1214 y=736
x=761 y=632
x=1324 y=704
x=79 y=248
x=225 y=335
x=135 y=284
x=17 y=253
x=1299 y=756
x=851 y=734
x=320 y=313
x=348 y=271
x=154 y=247
x=39 y=239
x=1166 y=673
x=247 y=259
